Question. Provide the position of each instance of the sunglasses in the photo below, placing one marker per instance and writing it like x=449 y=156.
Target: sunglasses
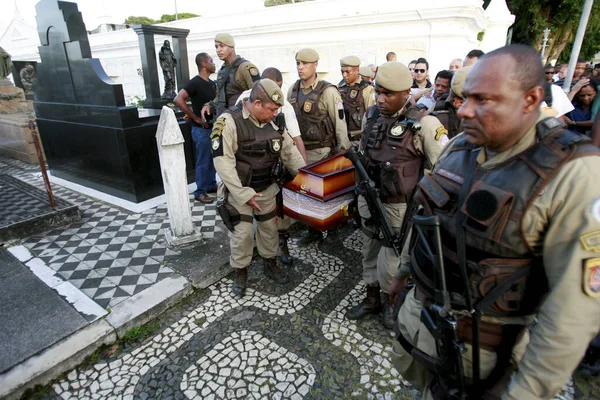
x=549 y=72
x=419 y=71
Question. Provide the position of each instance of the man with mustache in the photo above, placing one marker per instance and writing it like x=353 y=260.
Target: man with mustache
x=409 y=147
x=513 y=208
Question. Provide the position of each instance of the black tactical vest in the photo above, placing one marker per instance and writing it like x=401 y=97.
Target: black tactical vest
x=258 y=151
x=316 y=127
x=354 y=105
x=227 y=87
x=392 y=160
x=497 y=254
x=449 y=118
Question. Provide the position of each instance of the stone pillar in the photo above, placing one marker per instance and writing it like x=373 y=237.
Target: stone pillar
x=149 y=66
x=172 y=164
x=182 y=69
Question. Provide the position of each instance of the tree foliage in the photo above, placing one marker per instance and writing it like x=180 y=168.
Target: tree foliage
x=271 y=3
x=133 y=20
x=562 y=18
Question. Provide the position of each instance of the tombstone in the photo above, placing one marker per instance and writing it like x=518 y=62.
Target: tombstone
x=89 y=135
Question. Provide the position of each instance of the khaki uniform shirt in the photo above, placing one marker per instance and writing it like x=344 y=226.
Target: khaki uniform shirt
x=243 y=76
x=330 y=102
x=368 y=98
x=225 y=164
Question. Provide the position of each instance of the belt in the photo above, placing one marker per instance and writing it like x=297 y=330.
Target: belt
x=491 y=336
x=393 y=199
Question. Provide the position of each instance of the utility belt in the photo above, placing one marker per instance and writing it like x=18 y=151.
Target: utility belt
x=319 y=145
x=231 y=217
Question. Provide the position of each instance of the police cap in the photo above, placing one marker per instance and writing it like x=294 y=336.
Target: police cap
x=225 y=38
x=365 y=71
x=393 y=76
x=307 y=55
x=350 y=61
x=458 y=81
x=273 y=91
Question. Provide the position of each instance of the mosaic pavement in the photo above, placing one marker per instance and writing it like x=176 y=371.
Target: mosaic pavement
x=278 y=342
x=111 y=254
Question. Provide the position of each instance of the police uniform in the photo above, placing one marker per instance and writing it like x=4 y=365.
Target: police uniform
x=448 y=115
x=320 y=114
x=234 y=78
x=244 y=153
x=358 y=97
x=410 y=150
x=531 y=222
x=367 y=74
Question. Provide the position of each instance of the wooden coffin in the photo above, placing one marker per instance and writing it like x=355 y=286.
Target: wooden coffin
x=321 y=193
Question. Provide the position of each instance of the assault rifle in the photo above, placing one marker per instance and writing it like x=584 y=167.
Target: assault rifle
x=378 y=214
x=439 y=318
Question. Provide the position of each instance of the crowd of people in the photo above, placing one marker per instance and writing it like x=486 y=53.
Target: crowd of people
x=496 y=292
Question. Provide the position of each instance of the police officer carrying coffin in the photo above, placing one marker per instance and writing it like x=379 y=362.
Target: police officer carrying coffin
x=409 y=147
x=510 y=217
x=246 y=146
x=320 y=112
x=235 y=76
x=357 y=94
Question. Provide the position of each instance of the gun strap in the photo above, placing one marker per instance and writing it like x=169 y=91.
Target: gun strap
x=471 y=162
x=264 y=217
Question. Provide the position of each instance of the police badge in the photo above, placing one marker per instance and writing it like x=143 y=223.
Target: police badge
x=591 y=277
x=216 y=143
x=275 y=96
x=276 y=145
x=397 y=130
x=307 y=106
x=353 y=93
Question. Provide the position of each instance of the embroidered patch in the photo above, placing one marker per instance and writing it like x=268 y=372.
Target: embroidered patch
x=253 y=70
x=218 y=126
x=591 y=277
x=276 y=145
x=217 y=149
x=216 y=143
x=445 y=140
x=440 y=132
x=307 y=106
x=397 y=130
x=275 y=96
x=595 y=209
x=353 y=93
x=591 y=241
x=451 y=175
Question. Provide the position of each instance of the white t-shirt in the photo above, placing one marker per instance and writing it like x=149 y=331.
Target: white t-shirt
x=291 y=122
x=560 y=102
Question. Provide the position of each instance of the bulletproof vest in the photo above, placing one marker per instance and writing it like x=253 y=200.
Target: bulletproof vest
x=354 y=104
x=316 y=127
x=227 y=87
x=257 y=153
x=449 y=119
x=392 y=160
x=500 y=263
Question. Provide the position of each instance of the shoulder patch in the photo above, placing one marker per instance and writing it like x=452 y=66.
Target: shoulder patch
x=591 y=277
x=218 y=126
x=591 y=241
x=217 y=149
x=440 y=132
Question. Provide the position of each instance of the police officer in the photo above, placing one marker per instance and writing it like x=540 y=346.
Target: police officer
x=518 y=204
x=320 y=112
x=245 y=146
x=367 y=74
x=390 y=137
x=235 y=76
x=448 y=116
x=357 y=96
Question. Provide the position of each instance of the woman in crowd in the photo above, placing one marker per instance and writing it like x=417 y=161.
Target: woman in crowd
x=583 y=94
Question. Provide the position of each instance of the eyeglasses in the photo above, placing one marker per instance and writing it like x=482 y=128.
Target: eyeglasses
x=549 y=72
x=419 y=71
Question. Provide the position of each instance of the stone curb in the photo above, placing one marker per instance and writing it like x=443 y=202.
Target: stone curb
x=70 y=352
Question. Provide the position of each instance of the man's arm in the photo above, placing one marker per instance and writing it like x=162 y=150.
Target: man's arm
x=369 y=97
x=293 y=129
x=180 y=100
x=290 y=155
x=564 y=224
x=247 y=75
x=224 y=145
x=332 y=103
x=434 y=138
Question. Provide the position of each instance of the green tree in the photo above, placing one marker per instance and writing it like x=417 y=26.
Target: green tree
x=132 y=20
x=271 y=3
x=562 y=18
x=171 y=17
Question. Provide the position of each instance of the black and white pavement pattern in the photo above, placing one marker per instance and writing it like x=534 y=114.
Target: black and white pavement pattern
x=277 y=342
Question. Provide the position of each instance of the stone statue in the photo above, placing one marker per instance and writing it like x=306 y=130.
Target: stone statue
x=167 y=63
x=5 y=64
x=28 y=76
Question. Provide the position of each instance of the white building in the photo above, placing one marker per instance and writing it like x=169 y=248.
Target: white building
x=439 y=30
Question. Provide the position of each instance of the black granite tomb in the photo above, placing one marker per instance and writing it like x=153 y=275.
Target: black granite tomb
x=90 y=136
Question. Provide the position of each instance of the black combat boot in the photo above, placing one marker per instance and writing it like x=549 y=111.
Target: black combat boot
x=240 y=282
x=285 y=252
x=388 y=311
x=370 y=305
x=311 y=236
x=272 y=271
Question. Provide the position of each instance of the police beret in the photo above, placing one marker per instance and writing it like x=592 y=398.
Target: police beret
x=393 y=76
x=458 y=80
x=365 y=71
x=225 y=38
x=350 y=61
x=273 y=91
x=307 y=55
